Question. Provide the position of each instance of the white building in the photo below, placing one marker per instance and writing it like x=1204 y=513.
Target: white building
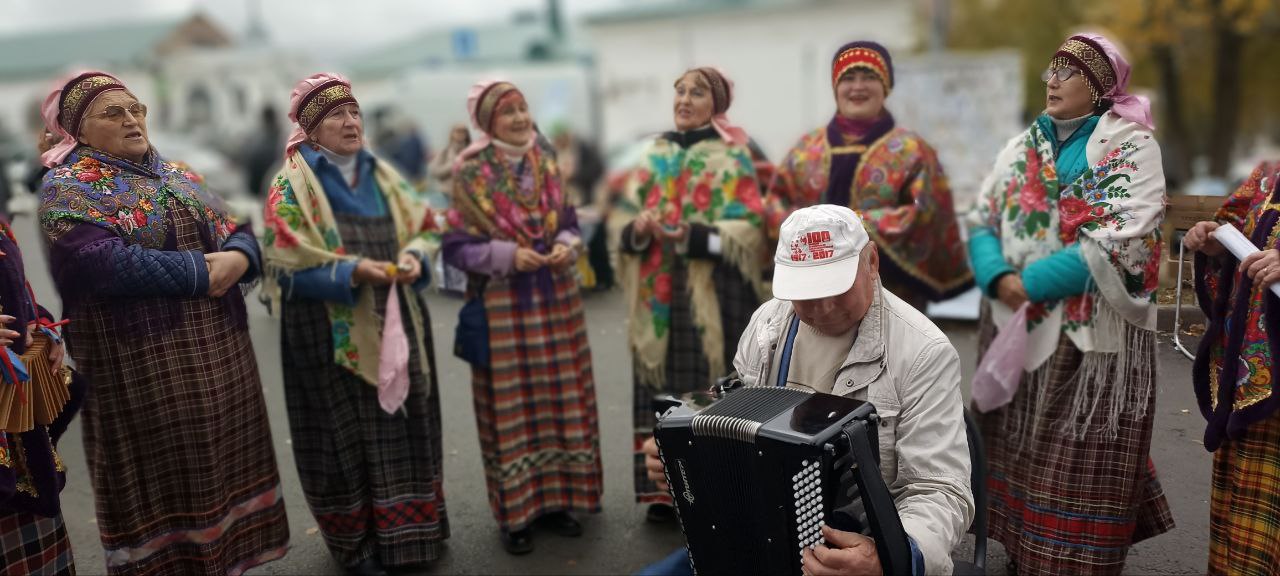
x=30 y=62
x=197 y=81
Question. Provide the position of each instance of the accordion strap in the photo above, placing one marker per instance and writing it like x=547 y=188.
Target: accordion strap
x=784 y=366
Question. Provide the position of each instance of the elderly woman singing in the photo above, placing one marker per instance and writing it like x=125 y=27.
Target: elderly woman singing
x=150 y=268
x=1067 y=225
x=523 y=329
x=890 y=175
x=692 y=241
x=344 y=252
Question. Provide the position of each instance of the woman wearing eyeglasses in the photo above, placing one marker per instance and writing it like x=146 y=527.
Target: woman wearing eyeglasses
x=150 y=269
x=1067 y=225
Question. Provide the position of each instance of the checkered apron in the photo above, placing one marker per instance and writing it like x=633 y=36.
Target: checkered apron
x=176 y=437
x=34 y=545
x=373 y=480
x=1244 y=513
x=686 y=367
x=1066 y=506
x=536 y=405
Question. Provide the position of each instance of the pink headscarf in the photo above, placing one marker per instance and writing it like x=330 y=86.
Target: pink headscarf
x=1133 y=108
x=50 y=112
x=722 y=94
x=473 y=110
x=300 y=92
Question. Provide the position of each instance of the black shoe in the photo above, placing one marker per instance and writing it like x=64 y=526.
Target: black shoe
x=368 y=567
x=561 y=524
x=660 y=514
x=518 y=542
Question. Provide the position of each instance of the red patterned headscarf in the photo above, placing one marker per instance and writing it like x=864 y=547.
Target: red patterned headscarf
x=866 y=55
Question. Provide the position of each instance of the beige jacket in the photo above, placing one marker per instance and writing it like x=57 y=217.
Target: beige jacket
x=908 y=369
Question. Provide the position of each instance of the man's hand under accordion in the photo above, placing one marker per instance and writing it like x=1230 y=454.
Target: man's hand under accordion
x=653 y=464
x=844 y=554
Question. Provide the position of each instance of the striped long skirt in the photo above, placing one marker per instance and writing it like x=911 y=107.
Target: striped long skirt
x=536 y=405
x=1244 y=513
x=1065 y=505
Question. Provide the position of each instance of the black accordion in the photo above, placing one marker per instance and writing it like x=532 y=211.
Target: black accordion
x=757 y=473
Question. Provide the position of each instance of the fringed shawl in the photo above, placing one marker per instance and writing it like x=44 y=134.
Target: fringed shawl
x=131 y=201
x=500 y=197
x=302 y=233
x=128 y=199
x=711 y=183
x=520 y=202
x=1114 y=212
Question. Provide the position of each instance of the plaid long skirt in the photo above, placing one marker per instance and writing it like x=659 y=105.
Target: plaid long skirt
x=176 y=438
x=1244 y=513
x=536 y=406
x=686 y=367
x=373 y=481
x=1062 y=505
x=34 y=545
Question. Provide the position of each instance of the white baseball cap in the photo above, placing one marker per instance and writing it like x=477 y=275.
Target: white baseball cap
x=817 y=255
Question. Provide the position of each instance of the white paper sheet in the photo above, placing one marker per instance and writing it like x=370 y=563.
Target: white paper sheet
x=1239 y=246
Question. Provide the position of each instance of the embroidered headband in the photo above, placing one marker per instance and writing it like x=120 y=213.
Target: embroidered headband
x=320 y=101
x=489 y=100
x=721 y=90
x=1085 y=54
x=78 y=95
x=867 y=56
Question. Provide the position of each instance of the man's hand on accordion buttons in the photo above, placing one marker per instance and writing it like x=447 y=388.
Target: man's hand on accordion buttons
x=653 y=464
x=844 y=554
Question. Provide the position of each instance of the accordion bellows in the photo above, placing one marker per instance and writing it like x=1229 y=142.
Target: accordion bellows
x=757 y=474
x=39 y=400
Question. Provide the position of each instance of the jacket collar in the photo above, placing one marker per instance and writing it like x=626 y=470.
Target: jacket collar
x=869 y=345
x=688 y=139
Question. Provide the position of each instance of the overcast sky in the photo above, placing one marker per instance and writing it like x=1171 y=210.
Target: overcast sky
x=345 y=25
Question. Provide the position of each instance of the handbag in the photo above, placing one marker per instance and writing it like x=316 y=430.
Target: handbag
x=471 y=337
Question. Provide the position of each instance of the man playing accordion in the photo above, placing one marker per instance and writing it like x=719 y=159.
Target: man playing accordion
x=857 y=339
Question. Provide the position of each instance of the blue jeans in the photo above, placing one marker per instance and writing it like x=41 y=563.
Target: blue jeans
x=676 y=564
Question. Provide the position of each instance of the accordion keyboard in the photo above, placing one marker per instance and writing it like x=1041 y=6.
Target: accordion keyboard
x=809 y=514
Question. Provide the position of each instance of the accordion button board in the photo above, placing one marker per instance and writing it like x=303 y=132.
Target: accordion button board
x=756 y=474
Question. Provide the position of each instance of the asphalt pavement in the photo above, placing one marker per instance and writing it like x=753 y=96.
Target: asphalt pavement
x=617 y=541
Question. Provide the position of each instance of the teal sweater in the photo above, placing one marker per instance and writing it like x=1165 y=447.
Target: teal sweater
x=1056 y=276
